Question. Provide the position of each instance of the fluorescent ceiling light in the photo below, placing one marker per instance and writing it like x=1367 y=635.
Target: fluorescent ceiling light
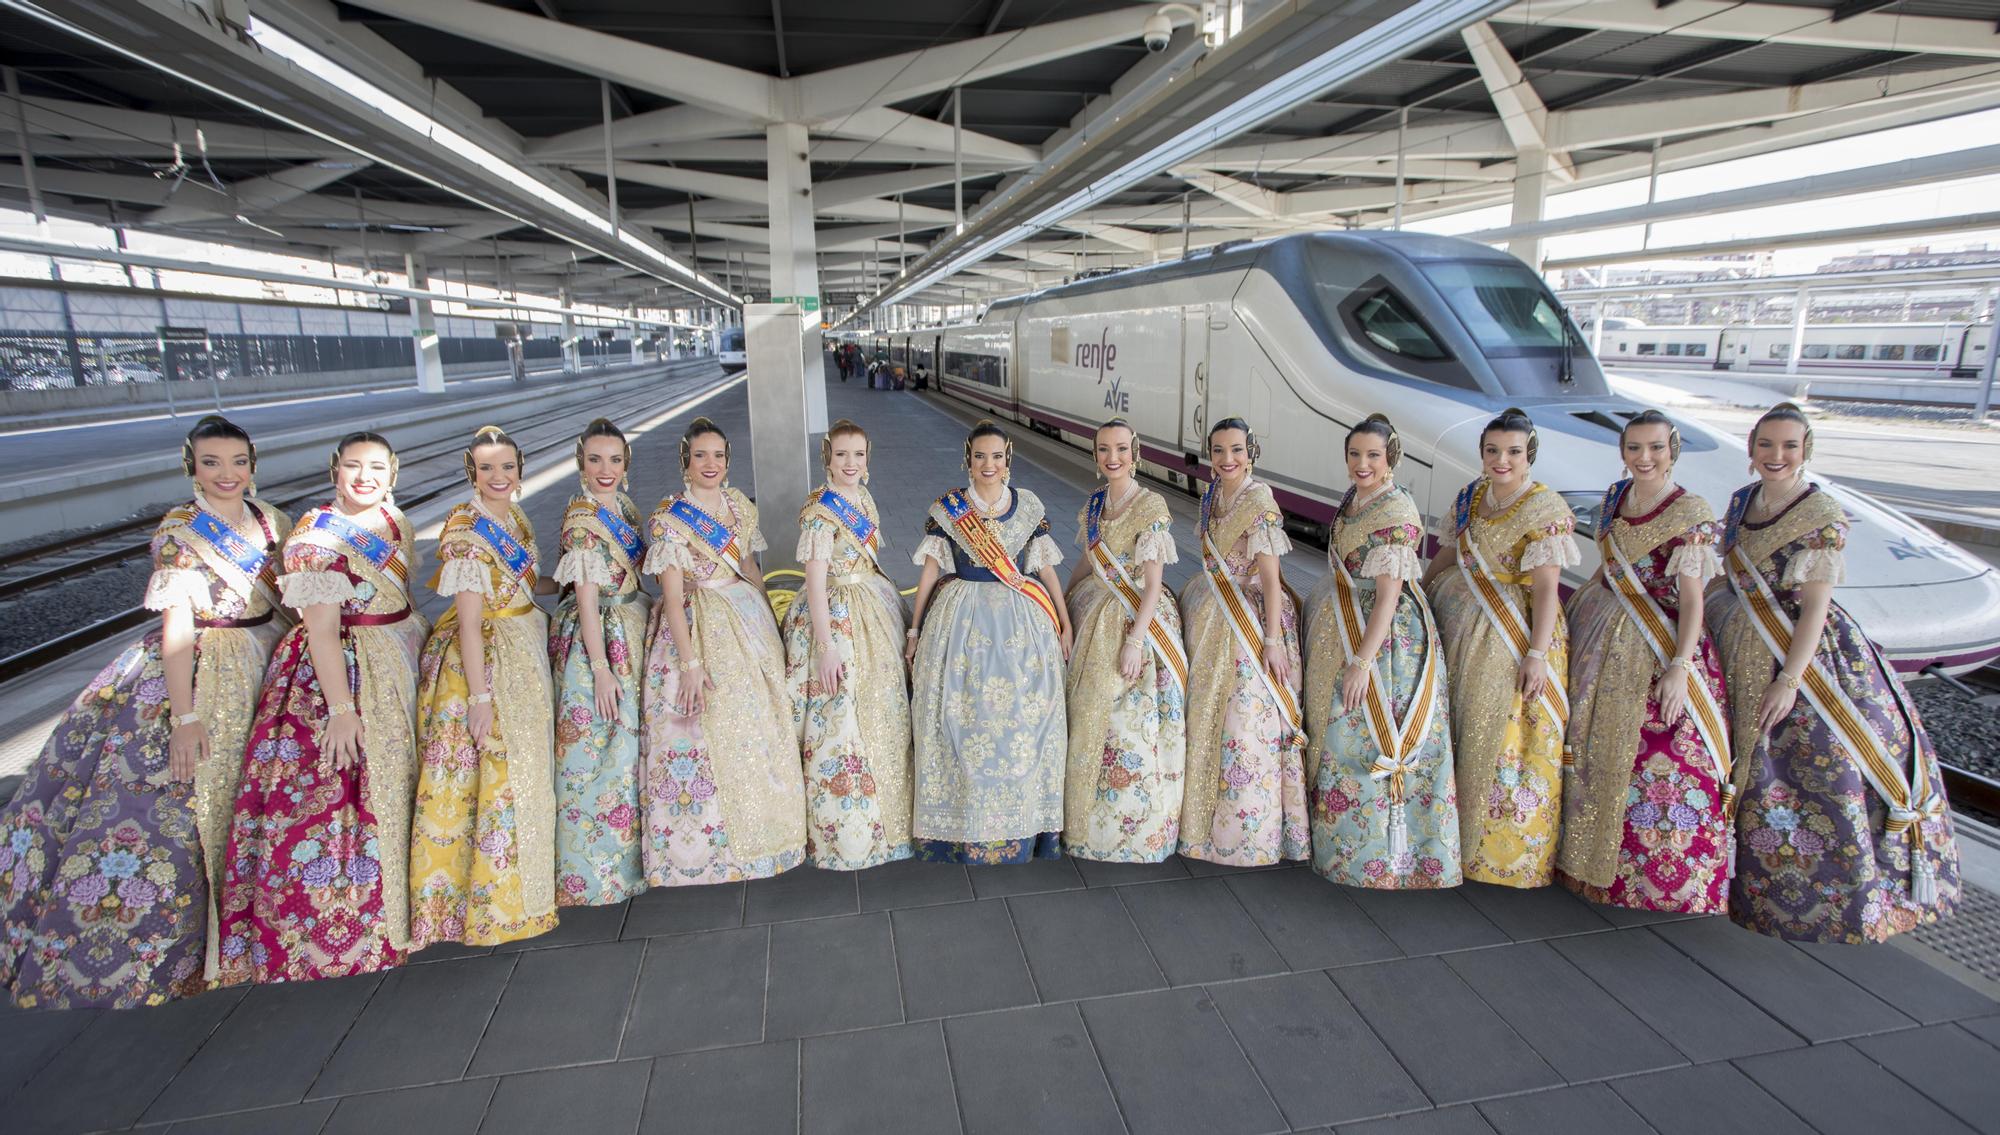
x=1412 y=27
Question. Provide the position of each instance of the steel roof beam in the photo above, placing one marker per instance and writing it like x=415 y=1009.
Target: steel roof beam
x=258 y=194
x=1770 y=23
x=1521 y=111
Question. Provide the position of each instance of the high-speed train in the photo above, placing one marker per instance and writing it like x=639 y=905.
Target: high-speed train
x=729 y=350
x=1305 y=335
x=1939 y=350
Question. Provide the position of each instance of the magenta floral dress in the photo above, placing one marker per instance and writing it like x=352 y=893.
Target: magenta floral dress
x=1645 y=823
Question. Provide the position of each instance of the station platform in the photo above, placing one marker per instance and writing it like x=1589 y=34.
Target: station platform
x=1061 y=996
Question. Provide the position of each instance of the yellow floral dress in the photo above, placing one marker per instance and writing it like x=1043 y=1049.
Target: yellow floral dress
x=482 y=851
x=1509 y=753
x=1245 y=802
x=723 y=795
x=1127 y=740
x=855 y=743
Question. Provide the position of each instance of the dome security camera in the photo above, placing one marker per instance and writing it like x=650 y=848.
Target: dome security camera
x=1158 y=31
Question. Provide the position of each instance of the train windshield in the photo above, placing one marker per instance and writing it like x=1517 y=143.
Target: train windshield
x=1508 y=310
x=732 y=338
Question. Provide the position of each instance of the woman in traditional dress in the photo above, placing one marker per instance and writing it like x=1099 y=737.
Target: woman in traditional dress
x=1647 y=816
x=1499 y=611
x=596 y=644
x=113 y=846
x=318 y=867
x=843 y=645
x=722 y=793
x=1843 y=831
x=1245 y=799
x=1127 y=688
x=1384 y=798
x=483 y=853
x=986 y=703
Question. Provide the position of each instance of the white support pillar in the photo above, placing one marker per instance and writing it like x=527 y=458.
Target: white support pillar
x=638 y=341
x=781 y=385
x=1984 y=406
x=1531 y=187
x=567 y=330
x=423 y=330
x=1801 y=304
x=794 y=263
x=1597 y=329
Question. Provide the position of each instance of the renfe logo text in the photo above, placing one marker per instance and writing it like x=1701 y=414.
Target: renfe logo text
x=1102 y=357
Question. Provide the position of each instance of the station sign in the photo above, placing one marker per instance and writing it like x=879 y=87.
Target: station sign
x=182 y=334
x=606 y=333
x=808 y=303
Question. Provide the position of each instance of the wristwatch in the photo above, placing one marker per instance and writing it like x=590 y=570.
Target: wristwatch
x=337 y=708
x=185 y=719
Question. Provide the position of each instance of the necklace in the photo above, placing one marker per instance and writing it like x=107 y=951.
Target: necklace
x=1771 y=509
x=245 y=515
x=1222 y=504
x=505 y=522
x=979 y=502
x=1360 y=501
x=1642 y=509
x=1117 y=508
x=1496 y=506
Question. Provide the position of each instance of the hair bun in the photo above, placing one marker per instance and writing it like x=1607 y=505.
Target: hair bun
x=701 y=423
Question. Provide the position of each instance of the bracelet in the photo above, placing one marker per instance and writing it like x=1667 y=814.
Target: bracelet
x=185 y=719
x=1538 y=654
x=691 y=664
x=911 y=633
x=335 y=709
x=600 y=667
x=481 y=699
x=1790 y=682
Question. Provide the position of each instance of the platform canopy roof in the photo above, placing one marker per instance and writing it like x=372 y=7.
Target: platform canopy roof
x=474 y=133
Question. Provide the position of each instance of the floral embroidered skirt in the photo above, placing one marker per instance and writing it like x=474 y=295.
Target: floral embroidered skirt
x=1127 y=740
x=597 y=762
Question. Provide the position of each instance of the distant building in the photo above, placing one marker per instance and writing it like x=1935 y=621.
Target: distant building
x=1919 y=257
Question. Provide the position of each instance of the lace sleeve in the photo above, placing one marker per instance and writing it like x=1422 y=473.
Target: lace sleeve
x=1696 y=559
x=933 y=548
x=667 y=552
x=1545 y=548
x=1268 y=536
x=1156 y=543
x=177 y=579
x=586 y=564
x=757 y=541
x=1815 y=565
x=465 y=573
x=302 y=589
x=1398 y=561
x=1042 y=553
x=816 y=541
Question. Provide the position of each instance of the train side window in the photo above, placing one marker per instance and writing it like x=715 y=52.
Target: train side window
x=1697 y=349
x=1850 y=351
x=1624 y=348
x=1781 y=350
x=1924 y=352
x=1814 y=351
x=1674 y=349
x=1888 y=352
x=1649 y=348
x=986 y=370
x=1392 y=326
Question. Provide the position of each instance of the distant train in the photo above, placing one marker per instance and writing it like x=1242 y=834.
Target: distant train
x=1945 y=350
x=1305 y=335
x=729 y=352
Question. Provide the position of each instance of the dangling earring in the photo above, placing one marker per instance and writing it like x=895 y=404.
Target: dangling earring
x=864 y=478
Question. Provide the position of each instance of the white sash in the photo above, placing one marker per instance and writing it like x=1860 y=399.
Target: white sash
x=1906 y=811
x=1506 y=617
x=1396 y=742
x=1164 y=643
x=1249 y=635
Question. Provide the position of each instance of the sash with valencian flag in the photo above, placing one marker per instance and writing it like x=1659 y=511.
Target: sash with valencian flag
x=713 y=534
x=629 y=540
x=513 y=554
x=1112 y=574
x=866 y=533
x=383 y=553
x=980 y=539
x=254 y=562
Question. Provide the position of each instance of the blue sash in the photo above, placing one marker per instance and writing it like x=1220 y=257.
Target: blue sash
x=1093 y=511
x=251 y=560
x=512 y=553
x=373 y=548
x=627 y=536
x=850 y=516
x=1461 y=509
x=712 y=532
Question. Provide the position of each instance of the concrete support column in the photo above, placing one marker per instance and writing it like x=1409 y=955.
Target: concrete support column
x=638 y=336
x=423 y=329
x=794 y=255
x=1801 y=304
x=781 y=459
x=566 y=329
x=1531 y=188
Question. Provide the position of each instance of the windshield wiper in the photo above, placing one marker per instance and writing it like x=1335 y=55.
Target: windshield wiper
x=1566 y=369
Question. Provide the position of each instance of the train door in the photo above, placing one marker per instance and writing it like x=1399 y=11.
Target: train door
x=1194 y=378
x=1732 y=343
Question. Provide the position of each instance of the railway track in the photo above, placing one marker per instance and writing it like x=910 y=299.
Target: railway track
x=1968 y=788
x=434 y=464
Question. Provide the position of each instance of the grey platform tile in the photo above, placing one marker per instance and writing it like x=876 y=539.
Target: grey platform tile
x=438 y=1109
x=1199 y=867
x=699 y=991
x=1985 y=1028
x=563 y=1006
x=1032 y=877
x=684 y=910
x=1315 y=1054
x=269 y=1050
x=29 y=1040
x=1707 y=1099
x=961 y=958
x=752 y=1090
x=1904 y=980
x=1955 y=1069
x=147 y=1047
x=1174 y=1067
x=421 y=1027
x=1083 y=944
x=297 y=1119
x=911 y=882
x=1591 y=1108
x=1029 y=1070
x=1313 y=923
x=1428 y=922
x=1621 y=917
x=1811 y=999
x=1444 y=1121
x=576 y=926
x=1695 y=1011
x=1582 y=1031
x=802 y=892
x=1841 y=1092
x=829 y=974
x=447 y=952
x=1534 y=913
x=599 y=1098
x=1098 y=873
x=1199 y=932
x=1455 y=1047
x=877 y=1082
